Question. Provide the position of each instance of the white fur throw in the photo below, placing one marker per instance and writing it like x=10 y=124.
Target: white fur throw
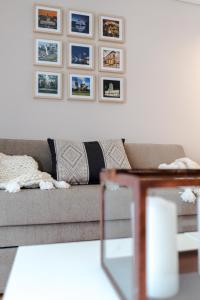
x=22 y=171
x=188 y=194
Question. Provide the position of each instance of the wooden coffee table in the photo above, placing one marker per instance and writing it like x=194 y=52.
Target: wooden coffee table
x=68 y=271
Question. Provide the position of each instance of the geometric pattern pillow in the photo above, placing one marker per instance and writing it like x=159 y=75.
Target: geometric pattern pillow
x=82 y=162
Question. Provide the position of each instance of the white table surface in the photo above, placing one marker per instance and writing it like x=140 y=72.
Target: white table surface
x=69 y=271
x=59 y=272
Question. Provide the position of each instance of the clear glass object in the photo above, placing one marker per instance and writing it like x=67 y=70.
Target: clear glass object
x=150 y=237
x=118 y=232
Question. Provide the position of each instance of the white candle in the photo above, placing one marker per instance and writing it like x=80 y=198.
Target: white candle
x=162 y=255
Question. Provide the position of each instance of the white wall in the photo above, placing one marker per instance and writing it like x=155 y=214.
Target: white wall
x=163 y=92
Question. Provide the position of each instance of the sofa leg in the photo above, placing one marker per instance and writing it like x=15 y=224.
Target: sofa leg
x=7 y=256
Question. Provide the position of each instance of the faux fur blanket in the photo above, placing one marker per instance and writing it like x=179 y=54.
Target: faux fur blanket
x=22 y=171
x=188 y=194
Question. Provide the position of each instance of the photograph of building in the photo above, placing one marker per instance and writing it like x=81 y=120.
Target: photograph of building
x=47 y=51
x=81 y=86
x=47 y=84
x=80 y=23
x=111 y=28
x=47 y=19
x=111 y=59
x=111 y=88
x=80 y=55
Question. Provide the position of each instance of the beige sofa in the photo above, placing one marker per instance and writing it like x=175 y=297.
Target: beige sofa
x=33 y=216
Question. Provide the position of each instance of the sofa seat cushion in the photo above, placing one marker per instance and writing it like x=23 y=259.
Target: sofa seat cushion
x=77 y=204
x=34 y=206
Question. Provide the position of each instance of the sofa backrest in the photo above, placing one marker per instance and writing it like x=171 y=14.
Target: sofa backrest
x=145 y=156
x=141 y=156
x=39 y=150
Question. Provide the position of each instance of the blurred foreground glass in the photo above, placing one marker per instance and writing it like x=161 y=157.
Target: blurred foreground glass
x=149 y=236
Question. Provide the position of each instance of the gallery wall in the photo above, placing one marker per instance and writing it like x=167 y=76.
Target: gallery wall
x=163 y=77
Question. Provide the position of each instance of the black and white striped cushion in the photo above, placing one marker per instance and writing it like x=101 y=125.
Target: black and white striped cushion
x=81 y=162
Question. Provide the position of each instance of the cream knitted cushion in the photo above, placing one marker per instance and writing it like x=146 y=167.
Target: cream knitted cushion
x=22 y=171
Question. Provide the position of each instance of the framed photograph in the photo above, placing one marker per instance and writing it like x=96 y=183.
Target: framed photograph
x=80 y=24
x=48 y=53
x=111 y=59
x=112 y=89
x=81 y=56
x=81 y=87
x=111 y=29
x=48 y=19
x=48 y=85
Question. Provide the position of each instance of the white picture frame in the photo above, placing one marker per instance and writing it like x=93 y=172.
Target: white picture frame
x=111 y=29
x=81 y=55
x=48 y=19
x=111 y=59
x=112 y=89
x=48 y=52
x=75 y=81
x=80 y=24
x=48 y=85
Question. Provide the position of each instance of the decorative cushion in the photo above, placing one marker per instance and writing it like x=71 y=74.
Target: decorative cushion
x=81 y=162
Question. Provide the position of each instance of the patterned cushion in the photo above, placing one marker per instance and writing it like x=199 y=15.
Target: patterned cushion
x=81 y=163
